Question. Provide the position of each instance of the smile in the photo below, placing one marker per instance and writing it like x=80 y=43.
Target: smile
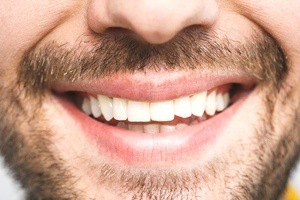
x=136 y=124
x=157 y=117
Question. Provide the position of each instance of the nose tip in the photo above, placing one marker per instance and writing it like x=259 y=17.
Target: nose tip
x=156 y=21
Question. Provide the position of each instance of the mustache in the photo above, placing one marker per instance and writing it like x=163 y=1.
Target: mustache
x=97 y=56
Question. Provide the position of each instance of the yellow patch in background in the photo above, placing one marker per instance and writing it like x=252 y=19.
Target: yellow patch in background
x=291 y=193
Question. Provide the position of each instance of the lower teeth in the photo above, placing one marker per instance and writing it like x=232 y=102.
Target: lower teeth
x=153 y=128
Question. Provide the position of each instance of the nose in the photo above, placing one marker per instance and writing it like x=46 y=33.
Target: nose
x=156 y=21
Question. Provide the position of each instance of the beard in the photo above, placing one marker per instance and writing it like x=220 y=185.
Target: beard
x=26 y=136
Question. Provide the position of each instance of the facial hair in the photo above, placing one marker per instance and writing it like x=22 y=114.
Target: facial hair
x=25 y=136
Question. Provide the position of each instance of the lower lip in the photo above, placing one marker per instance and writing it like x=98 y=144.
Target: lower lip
x=134 y=148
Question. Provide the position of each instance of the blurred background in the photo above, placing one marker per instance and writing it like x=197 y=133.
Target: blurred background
x=10 y=190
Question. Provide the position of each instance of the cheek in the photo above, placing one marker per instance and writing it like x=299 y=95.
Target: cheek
x=279 y=18
x=26 y=23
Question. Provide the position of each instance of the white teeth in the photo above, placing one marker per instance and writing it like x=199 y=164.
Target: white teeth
x=106 y=107
x=211 y=104
x=135 y=111
x=198 y=104
x=136 y=128
x=138 y=111
x=226 y=99
x=86 y=106
x=120 y=109
x=167 y=128
x=220 y=102
x=96 y=111
x=151 y=128
x=162 y=111
x=182 y=107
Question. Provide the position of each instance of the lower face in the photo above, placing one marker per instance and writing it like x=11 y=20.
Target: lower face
x=223 y=129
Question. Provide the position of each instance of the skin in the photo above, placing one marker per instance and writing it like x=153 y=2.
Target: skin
x=51 y=157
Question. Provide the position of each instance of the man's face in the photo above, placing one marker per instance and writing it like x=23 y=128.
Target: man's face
x=107 y=99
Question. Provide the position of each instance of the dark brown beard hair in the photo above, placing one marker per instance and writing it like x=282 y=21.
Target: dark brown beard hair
x=24 y=138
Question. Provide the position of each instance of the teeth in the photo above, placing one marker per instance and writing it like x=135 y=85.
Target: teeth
x=138 y=111
x=198 y=104
x=162 y=111
x=151 y=128
x=181 y=126
x=120 y=109
x=106 y=107
x=226 y=99
x=167 y=128
x=122 y=125
x=194 y=122
x=136 y=128
x=182 y=107
x=96 y=111
x=86 y=106
x=222 y=101
x=211 y=104
x=135 y=111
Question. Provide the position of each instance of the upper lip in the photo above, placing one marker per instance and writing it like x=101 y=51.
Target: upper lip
x=155 y=86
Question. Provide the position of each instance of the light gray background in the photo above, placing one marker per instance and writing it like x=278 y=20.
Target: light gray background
x=9 y=189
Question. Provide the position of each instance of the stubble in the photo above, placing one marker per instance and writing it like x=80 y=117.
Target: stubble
x=25 y=137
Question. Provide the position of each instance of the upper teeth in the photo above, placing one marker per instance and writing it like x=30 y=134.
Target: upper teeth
x=136 y=111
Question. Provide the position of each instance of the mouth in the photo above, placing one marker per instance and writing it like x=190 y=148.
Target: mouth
x=139 y=119
x=155 y=117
